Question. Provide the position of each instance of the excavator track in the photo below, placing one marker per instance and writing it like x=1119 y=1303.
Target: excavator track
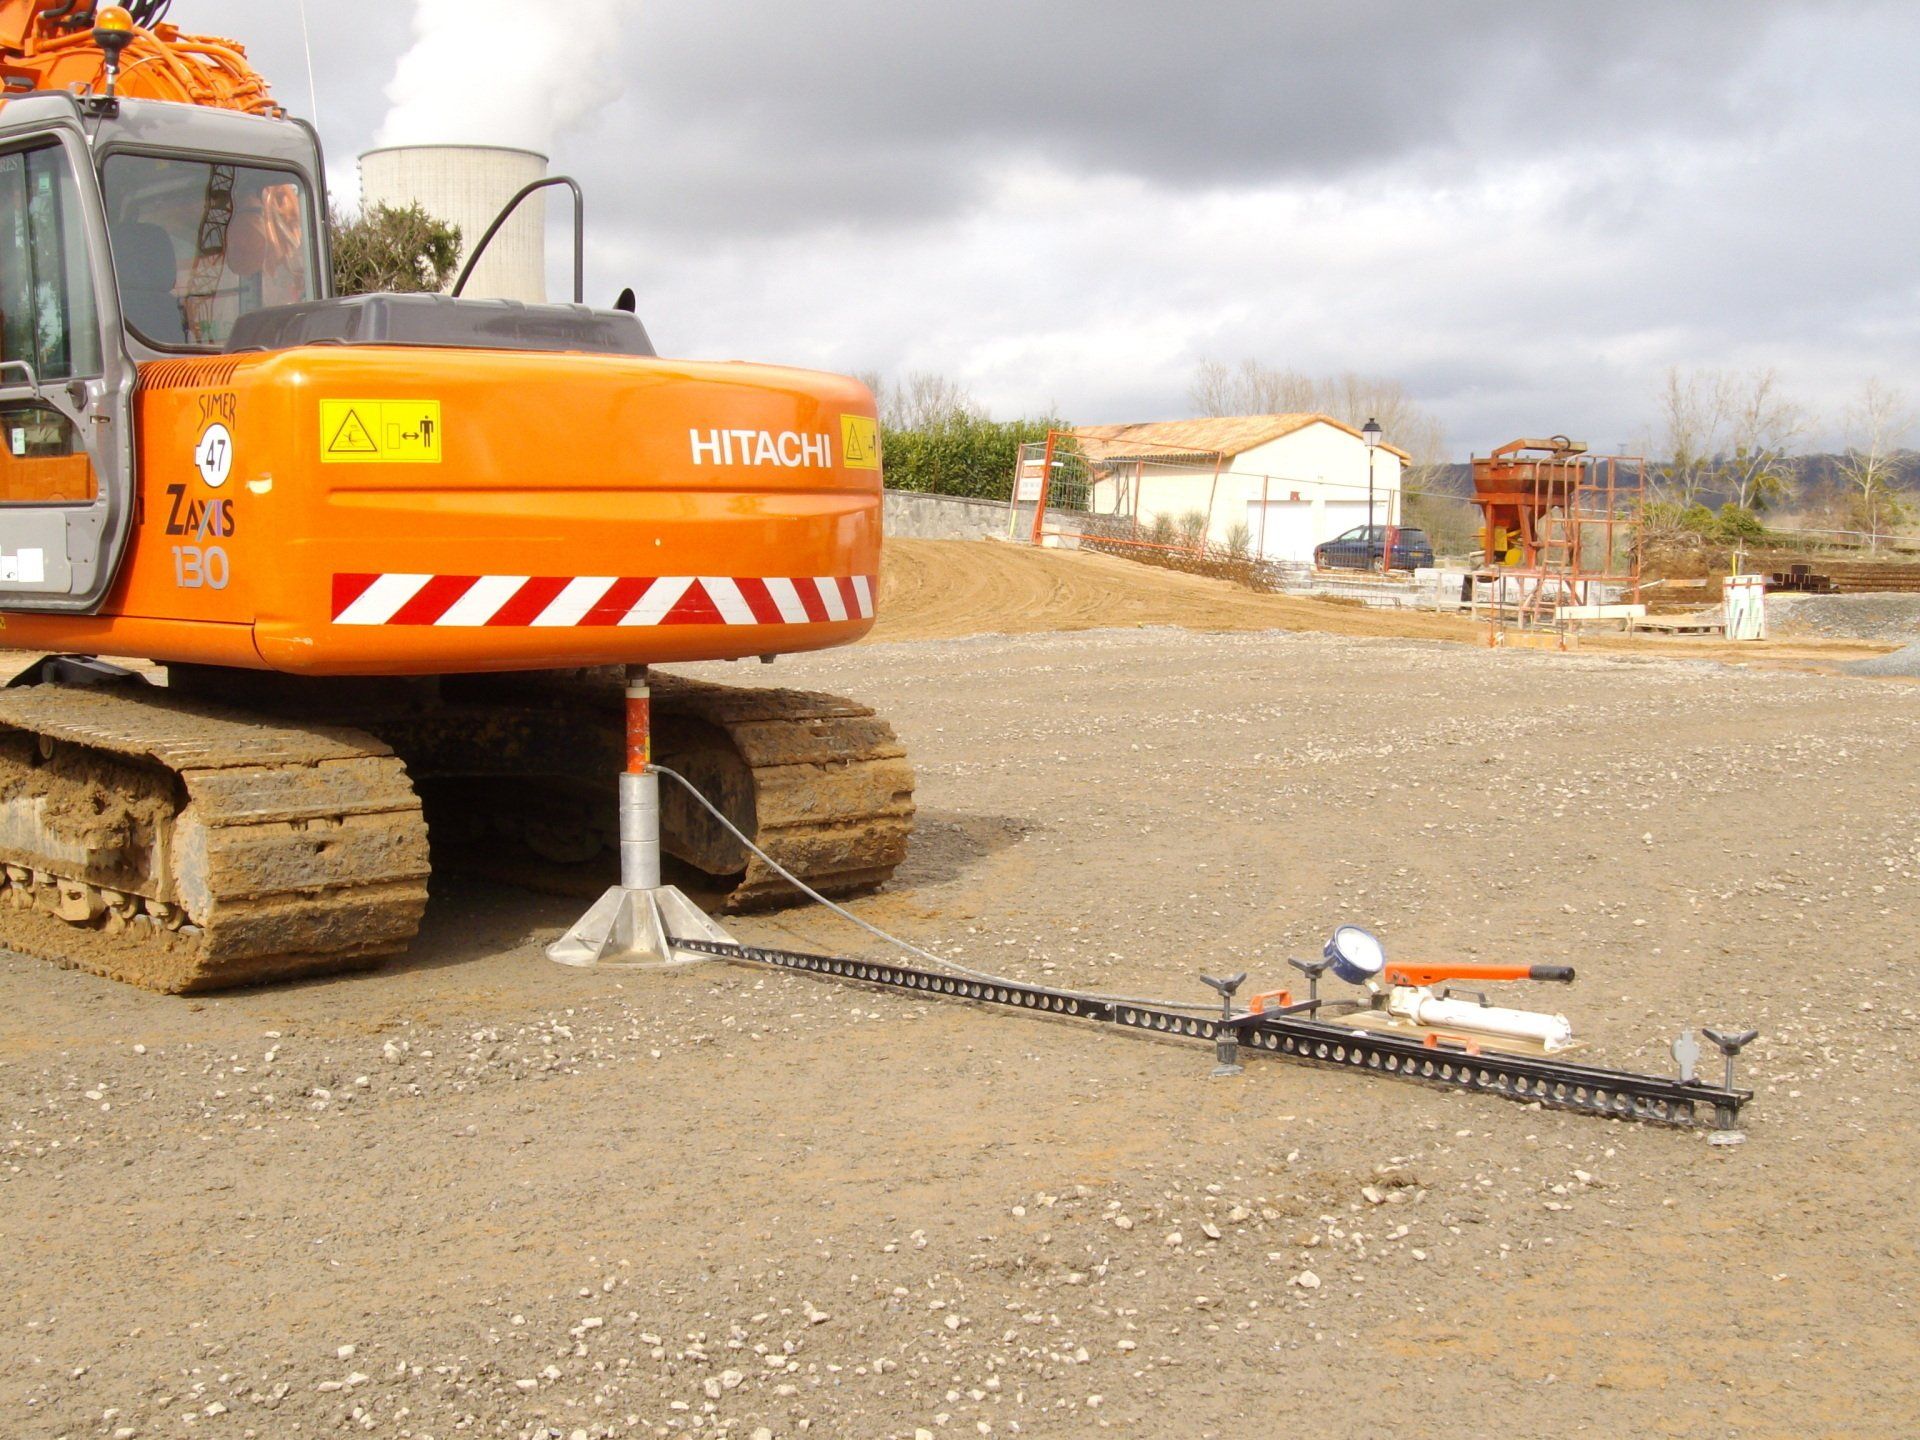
x=181 y=847
x=820 y=782
x=518 y=775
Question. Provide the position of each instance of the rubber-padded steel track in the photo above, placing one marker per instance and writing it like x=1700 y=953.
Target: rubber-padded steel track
x=1620 y=1094
x=519 y=772
x=180 y=847
x=820 y=782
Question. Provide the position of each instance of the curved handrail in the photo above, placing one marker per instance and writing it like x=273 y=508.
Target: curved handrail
x=506 y=213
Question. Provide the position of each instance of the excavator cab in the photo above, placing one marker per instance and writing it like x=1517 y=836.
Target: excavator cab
x=143 y=232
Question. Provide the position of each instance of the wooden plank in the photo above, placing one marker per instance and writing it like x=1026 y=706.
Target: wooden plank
x=1600 y=612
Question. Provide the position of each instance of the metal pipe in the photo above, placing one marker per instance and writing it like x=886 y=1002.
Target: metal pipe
x=1046 y=485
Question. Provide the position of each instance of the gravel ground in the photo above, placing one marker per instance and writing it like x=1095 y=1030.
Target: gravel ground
x=478 y=1194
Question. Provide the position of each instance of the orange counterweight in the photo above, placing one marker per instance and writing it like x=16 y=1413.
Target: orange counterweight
x=405 y=511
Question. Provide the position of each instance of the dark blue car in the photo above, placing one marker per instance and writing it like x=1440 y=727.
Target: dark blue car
x=1362 y=547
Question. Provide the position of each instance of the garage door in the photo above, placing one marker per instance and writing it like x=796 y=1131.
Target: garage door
x=1343 y=515
x=1281 y=529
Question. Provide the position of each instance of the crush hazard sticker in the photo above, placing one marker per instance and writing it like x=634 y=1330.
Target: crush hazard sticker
x=380 y=432
x=860 y=442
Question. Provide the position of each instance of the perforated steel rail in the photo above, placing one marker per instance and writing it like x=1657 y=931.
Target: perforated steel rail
x=1292 y=1033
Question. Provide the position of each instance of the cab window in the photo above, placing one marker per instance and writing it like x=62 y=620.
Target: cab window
x=197 y=244
x=47 y=316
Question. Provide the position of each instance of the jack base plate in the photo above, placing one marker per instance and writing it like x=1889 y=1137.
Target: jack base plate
x=636 y=929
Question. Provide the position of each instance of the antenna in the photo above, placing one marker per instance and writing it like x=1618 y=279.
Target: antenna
x=313 y=90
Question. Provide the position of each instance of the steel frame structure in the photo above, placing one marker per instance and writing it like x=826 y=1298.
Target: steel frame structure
x=1567 y=514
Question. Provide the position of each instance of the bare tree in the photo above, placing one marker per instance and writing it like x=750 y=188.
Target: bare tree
x=1694 y=409
x=920 y=400
x=1212 y=391
x=1873 y=430
x=1762 y=428
x=1251 y=388
x=1726 y=434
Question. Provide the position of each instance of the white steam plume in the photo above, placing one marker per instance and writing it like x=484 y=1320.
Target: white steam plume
x=504 y=72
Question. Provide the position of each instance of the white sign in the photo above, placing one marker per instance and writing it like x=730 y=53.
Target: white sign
x=214 y=455
x=29 y=567
x=1746 y=607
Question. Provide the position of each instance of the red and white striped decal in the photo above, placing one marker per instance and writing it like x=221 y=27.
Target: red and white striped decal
x=452 y=601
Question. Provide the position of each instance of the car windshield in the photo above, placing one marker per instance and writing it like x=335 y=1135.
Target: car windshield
x=198 y=243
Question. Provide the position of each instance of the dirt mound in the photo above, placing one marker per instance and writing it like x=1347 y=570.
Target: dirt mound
x=937 y=589
x=942 y=589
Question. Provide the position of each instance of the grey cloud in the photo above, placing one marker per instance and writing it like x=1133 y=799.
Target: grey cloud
x=1576 y=195
x=919 y=98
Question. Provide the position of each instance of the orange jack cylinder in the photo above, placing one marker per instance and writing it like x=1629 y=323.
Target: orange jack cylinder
x=639 y=721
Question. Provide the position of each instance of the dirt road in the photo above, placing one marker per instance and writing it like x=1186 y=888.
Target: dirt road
x=477 y=1194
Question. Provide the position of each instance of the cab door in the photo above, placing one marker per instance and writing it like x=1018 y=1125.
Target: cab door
x=66 y=378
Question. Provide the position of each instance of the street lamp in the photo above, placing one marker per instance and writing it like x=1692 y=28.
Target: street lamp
x=1370 y=432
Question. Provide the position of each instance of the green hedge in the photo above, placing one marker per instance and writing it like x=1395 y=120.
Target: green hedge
x=963 y=455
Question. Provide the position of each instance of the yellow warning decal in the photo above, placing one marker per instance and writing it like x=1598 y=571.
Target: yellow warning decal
x=384 y=432
x=860 y=442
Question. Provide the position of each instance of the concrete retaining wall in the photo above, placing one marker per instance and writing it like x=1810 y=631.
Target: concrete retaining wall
x=916 y=516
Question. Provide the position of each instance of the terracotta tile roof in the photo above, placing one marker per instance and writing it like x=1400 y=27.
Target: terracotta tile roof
x=1225 y=435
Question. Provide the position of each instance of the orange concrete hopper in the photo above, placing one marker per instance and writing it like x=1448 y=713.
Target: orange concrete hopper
x=1515 y=487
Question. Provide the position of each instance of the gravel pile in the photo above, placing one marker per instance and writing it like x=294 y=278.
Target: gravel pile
x=1905 y=661
x=1890 y=618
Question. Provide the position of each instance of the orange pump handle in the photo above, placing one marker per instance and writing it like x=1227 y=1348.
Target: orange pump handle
x=1402 y=972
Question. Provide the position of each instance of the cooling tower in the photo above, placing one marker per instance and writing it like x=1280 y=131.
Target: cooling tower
x=466 y=185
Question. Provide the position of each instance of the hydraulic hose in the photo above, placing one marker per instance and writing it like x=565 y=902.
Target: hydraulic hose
x=894 y=940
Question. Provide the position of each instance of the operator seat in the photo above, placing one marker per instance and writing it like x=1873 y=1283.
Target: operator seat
x=144 y=259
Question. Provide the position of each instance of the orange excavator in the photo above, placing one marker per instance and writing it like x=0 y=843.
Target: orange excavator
x=297 y=579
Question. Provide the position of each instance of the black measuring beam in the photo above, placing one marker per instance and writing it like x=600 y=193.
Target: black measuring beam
x=1291 y=1034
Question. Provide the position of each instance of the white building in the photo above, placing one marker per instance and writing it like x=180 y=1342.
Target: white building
x=466 y=185
x=1292 y=480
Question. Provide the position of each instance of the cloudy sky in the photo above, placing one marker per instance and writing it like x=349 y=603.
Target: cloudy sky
x=1525 y=211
